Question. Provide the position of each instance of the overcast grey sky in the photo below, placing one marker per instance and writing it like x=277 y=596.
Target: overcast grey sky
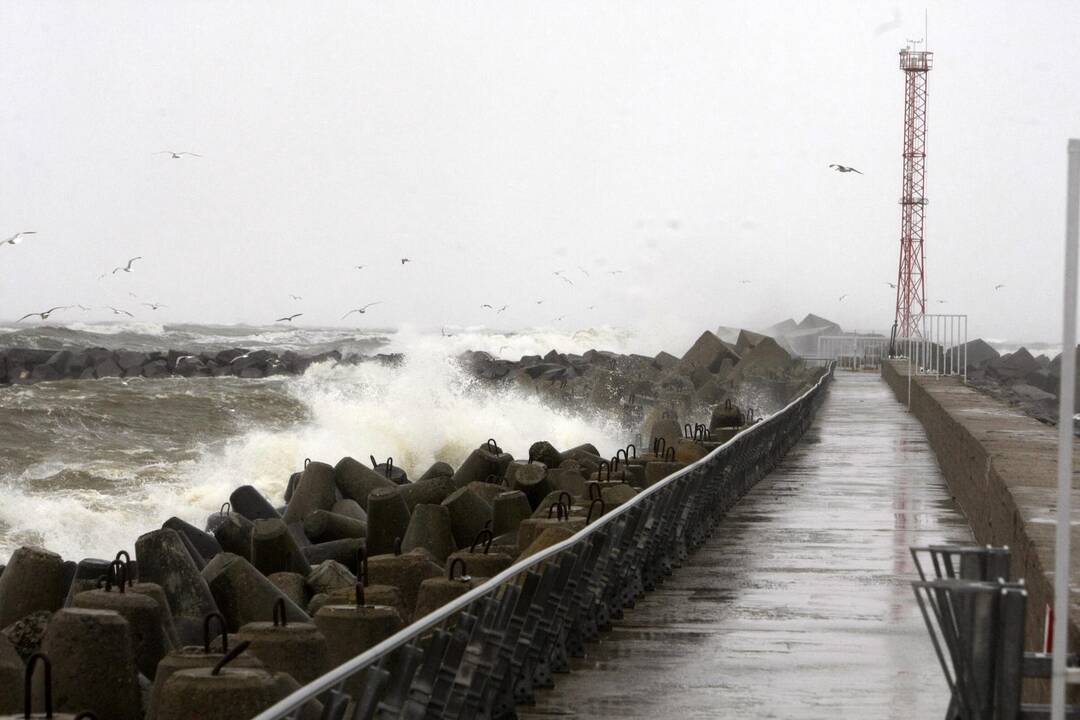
x=683 y=143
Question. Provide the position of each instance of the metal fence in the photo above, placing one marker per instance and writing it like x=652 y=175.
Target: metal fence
x=853 y=352
x=487 y=651
x=940 y=346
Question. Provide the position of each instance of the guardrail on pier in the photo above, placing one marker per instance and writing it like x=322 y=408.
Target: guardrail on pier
x=485 y=652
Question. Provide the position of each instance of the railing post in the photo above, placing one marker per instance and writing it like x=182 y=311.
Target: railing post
x=1065 y=438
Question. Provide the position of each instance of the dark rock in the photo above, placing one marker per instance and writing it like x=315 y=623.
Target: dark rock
x=26 y=633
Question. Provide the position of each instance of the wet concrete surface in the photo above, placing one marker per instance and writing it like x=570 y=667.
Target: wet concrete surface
x=799 y=605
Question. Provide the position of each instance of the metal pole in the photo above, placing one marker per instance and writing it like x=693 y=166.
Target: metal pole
x=1065 y=439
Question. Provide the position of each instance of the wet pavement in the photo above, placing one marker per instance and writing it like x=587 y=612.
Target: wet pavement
x=799 y=605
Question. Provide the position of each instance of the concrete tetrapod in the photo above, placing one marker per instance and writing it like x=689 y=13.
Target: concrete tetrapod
x=86 y=577
x=154 y=591
x=93 y=665
x=218 y=693
x=436 y=592
x=531 y=479
x=205 y=543
x=509 y=510
x=437 y=469
x=478 y=558
x=164 y=560
x=196 y=656
x=356 y=481
x=343 y=551
x=243 y=593
x=350 y=508
x=323 y=526
x=469 y=514
x=315 y=491
x=405 y=572
x=387 y=595
x=145 y=618
x=298 y=649
x=233 y=533
x=11 y=678
x=427 y=491
x=32 y=580
x=545 y=453
x=351 y=629
x=477 y=467
x=252 y=504
x=292 y=585
x=430 y=528
x=328 y=576
x=388 y=519
x=274 y=549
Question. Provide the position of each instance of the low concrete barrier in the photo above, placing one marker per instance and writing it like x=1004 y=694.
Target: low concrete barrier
x=1000 y=466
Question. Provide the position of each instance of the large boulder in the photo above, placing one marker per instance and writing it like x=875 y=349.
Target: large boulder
x=708 y=352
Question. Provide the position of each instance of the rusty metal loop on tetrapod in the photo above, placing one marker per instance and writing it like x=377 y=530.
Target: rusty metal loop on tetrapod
x=485 y=536
x=230 y=656
x=463 y=577
x=280 y=614
x=224 y=632
x=225 y=509
x=361 y=564
x=630 y=447
x=603 y=509
x=669 y=454
x=28 y=678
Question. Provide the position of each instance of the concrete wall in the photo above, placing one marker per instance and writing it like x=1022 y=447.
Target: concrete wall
x=1001 y=468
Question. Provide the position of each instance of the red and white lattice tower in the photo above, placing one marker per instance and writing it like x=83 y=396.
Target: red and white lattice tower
x=911 y=279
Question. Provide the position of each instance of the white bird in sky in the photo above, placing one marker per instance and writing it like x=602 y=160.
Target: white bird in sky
x=360 y=267
x=119 y=312
x=558 y=274
x=998 y=287
x=361 y=310
x=892 y=285
x=614 y=272
x=405 y=260
x=17 y=237
x=844 y=169
x=583 y=271
x=842 y=297
x=177 y=155
x=44 y=315
x=126 y=268
x=154 y=306
x=745 y=282
x=295 y=297
x=290 y=318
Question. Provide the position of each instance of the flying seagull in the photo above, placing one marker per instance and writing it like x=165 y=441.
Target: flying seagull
x=177 y=155
x=892 y=285
x=44 y=315
x=583 y=271
x=745 y=282
x=558 y=274
x=998 y=287
x=942 y=302
x=289 y=318
x=154 y=306
x=501 y=309
x=361 y=310
x=126 y=268
x=485 y=305
x=17 y=237
x=359 y=267
x=614 y=272
x=539 y=302
x=295 y=297
x=842 y=297
x=405 y=260
x=120 y=312
x=844 y=169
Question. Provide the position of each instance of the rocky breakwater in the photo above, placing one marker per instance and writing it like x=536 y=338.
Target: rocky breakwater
x=25 y=365
x=1029 y=382
x=273 y=594
x=754 y=373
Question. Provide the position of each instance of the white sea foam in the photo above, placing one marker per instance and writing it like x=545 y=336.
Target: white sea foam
x=425 y=410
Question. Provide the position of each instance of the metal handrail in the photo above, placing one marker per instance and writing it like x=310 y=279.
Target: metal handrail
x=336 y=678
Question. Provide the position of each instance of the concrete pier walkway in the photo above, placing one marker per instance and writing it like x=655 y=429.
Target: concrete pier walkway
x=799 y=605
